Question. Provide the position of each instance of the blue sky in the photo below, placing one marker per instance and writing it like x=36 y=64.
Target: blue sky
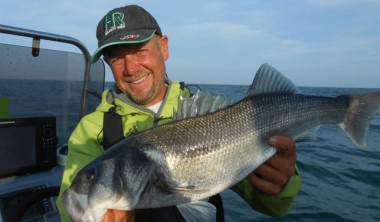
x=334 y=43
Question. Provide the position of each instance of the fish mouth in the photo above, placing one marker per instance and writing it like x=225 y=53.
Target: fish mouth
x=75 y=204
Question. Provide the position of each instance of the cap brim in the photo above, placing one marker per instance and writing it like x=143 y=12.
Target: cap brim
x=123 y=38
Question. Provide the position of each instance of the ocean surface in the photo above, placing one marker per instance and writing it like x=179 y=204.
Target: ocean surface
x=340 y=182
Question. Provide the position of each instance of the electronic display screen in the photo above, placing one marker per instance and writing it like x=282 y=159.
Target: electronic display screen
x=17 y=148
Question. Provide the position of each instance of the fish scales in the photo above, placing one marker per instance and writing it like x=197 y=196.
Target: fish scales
x=234 y=138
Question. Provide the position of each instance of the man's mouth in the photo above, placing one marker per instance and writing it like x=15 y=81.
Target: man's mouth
x=139 y=80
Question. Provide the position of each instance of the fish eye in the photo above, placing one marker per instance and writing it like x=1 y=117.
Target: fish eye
x=88 y=175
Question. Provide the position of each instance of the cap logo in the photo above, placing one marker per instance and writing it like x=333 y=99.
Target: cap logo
x=113 y=21
x=132 y=36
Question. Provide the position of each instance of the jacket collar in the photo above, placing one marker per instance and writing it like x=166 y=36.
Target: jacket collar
x=125 y=106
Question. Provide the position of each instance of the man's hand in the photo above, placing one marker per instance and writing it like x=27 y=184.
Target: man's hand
x=271 y=177
x=119 y=216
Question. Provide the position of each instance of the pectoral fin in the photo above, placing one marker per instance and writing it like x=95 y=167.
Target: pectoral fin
x=189 y=190
x=201 y=211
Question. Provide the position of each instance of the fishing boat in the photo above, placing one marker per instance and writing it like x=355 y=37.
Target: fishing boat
x=44 y=92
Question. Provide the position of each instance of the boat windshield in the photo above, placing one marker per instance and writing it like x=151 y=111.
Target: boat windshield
x=51 y=83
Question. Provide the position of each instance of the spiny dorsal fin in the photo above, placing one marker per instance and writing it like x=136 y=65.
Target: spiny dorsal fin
x=270 y=80
x=199 y=104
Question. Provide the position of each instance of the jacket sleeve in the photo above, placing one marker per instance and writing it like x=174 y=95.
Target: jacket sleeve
x=82 y=150
x=278 y=205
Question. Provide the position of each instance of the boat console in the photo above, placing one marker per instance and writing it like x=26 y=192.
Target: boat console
x=44 y=92
x=28 y=145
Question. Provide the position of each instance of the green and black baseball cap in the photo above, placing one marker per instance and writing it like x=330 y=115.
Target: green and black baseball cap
x=125 y=25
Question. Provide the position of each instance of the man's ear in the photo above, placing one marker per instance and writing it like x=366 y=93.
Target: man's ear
x=164 y=45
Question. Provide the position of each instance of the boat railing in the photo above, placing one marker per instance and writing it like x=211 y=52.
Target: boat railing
x=38 y=35
x=38 y=80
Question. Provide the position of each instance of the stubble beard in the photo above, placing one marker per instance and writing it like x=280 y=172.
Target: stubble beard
x=148 y=97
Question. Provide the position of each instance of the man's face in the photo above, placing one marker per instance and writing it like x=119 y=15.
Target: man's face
x=139 y=69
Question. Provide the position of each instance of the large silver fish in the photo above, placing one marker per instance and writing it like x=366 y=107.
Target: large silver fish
x=191 y=159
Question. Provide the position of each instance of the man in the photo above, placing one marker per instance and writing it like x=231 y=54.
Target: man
x=134 y=47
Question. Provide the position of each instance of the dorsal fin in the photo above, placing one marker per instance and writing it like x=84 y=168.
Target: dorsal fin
x=270 y=80
x=199 y=104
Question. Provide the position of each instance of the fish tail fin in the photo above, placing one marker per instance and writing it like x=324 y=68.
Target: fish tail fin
x=195 y=211
x=362 y=109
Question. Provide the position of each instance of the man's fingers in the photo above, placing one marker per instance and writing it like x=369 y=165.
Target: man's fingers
x=263 y=185
x=119 y=216
x=286 y=145
x=271 y=175
x=109 y=216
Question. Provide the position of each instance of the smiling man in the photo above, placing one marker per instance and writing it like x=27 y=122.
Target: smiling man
x=134 y=47
x=139 y=69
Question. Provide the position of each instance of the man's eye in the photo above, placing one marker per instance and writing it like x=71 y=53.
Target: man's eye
x=141 y=52
x=117 y=60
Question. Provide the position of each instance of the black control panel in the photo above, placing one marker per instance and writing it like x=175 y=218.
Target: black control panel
x=27 y=145
x=10 y=203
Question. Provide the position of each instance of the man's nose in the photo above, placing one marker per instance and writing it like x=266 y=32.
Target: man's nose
x=131 y=64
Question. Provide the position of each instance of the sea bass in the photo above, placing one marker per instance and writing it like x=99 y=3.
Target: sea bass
x=194 y=158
